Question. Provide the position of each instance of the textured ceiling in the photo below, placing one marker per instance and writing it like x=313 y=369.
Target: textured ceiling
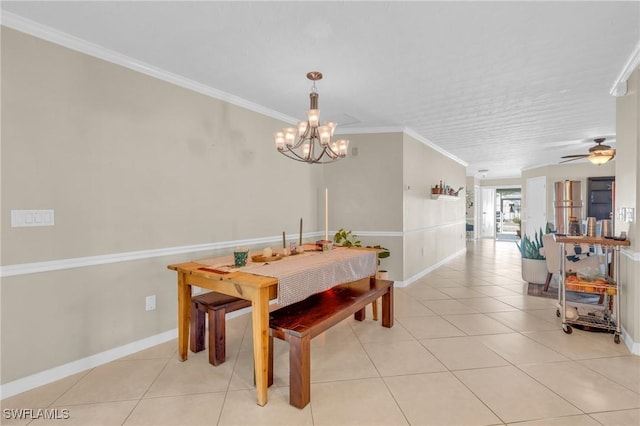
x=503 y=86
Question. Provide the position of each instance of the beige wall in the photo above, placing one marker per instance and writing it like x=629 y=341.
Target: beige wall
x=383 y=195
x=366 y=194
x=627 y=193
x=434 y=229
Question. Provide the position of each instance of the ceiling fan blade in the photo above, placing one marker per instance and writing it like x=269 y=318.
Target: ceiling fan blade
x=573 y=159
x=575 y=156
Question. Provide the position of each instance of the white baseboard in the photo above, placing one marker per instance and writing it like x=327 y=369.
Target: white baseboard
x=48 y=376
x=431 y=268
x=634 y=347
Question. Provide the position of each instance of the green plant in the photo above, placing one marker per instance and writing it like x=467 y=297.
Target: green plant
x=349 y=239
x=346 y=239
x=530 y=249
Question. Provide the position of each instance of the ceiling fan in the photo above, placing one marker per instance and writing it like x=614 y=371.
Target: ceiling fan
x=598 y=154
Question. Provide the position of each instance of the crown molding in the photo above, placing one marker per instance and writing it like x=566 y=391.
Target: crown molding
x=619 y=87
x=405 y=130
x=370 y=129
x=435 y=147
x=44 y=32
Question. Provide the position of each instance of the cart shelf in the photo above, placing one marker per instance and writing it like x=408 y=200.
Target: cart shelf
x=600 y=286
x=607 y=287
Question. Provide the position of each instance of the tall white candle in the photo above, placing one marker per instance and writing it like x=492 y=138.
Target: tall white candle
x=326 y=214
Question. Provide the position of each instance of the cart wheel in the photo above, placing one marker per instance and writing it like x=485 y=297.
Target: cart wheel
x=616 y=338
x=558 y=313
x=567 y=329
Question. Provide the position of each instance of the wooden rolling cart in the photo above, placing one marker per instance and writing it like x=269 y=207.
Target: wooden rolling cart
x=606 y=286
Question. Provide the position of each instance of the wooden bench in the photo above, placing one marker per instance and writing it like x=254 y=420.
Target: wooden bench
x=216 y=305
x=300 y=322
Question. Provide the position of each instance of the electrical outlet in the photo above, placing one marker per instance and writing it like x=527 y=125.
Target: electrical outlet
x=150 y=303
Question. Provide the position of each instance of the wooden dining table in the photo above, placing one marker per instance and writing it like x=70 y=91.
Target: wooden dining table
x=288 y=280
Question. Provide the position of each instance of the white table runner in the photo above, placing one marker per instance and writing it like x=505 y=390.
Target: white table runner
x=304 y=274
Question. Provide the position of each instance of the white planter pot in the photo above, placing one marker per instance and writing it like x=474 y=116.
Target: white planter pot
x=382 y=275
x=534 y=271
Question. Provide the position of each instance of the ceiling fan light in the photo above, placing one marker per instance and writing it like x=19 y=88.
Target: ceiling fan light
x=599 y=159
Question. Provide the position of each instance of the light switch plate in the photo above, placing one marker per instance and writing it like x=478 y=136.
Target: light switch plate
x=150 y=303
x=29 y=218
x=626 y=214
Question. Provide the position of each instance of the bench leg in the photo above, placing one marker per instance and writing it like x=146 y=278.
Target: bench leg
x=217 y=336
x=299 y=370
x=387 y=308
x=374 y=306
x=361 y=314
x=197 y=329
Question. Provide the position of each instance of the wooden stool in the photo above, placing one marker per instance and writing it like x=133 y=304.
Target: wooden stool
x=217 y=305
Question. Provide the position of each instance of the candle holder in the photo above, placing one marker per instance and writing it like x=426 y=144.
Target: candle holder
x=324 y=245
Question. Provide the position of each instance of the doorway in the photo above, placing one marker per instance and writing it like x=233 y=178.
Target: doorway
x=600 y=197
x=486 y=212
x=508 y=208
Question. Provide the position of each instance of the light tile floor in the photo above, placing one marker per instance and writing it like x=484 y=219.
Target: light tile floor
x=468 y=347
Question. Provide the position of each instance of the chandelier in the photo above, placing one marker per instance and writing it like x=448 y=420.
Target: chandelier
x=313 y=144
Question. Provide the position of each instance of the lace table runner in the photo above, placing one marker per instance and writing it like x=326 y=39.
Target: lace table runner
x=307 y=273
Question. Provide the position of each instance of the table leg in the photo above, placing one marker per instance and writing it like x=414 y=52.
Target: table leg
x=260 y=322
x=184 y=306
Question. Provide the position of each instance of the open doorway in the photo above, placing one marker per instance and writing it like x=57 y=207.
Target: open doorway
x=508 y=209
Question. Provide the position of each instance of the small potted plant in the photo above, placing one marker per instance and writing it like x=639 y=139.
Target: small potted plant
x=534 y=264
x=349 y=239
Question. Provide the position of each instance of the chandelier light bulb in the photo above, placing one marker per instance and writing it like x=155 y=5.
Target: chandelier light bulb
x=332 y=125
x=289 y=135
x=343 y=146
x=314 y=117
x=279 y=138
x=302 y=128
x=325 y=135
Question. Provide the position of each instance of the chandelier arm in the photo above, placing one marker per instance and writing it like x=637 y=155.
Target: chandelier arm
x=293 y=155
x=302 y=160
x=298 y=143
x=332 y=153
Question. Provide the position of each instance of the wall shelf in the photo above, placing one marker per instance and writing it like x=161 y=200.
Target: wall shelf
x=444 y=197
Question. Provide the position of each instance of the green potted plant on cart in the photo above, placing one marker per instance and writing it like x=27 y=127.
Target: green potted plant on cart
x=346 y=238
